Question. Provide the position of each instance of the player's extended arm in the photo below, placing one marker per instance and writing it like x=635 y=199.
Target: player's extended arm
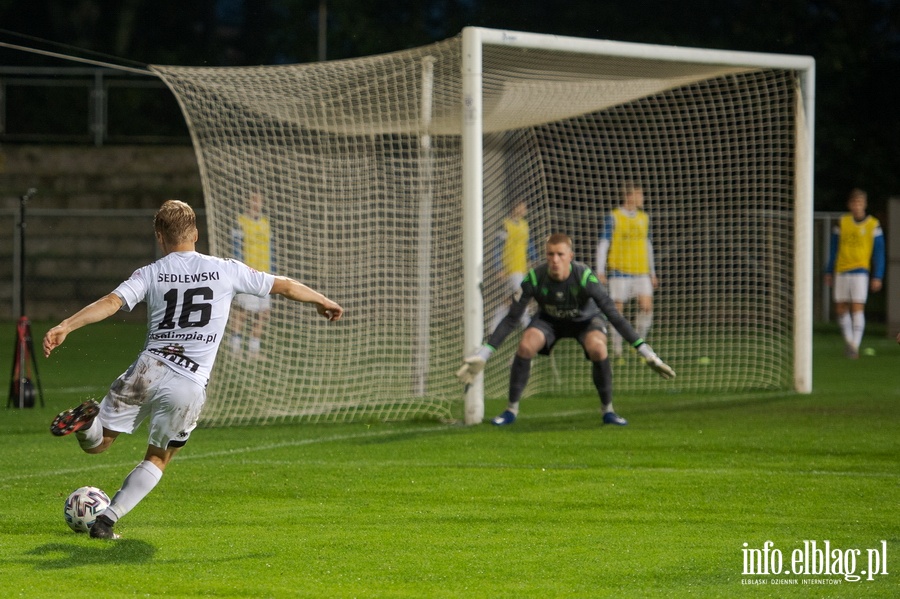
x=608 y=307
x=104 y=307
x=474 y=363
x=298 y=292
x=655 y=362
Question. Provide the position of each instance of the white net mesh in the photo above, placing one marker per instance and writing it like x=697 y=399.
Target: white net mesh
x=360 y=165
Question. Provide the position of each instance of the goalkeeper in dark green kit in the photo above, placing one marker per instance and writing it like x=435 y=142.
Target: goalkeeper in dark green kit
x=572 y=304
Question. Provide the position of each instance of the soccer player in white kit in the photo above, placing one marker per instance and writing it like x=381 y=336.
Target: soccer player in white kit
x=188 y=297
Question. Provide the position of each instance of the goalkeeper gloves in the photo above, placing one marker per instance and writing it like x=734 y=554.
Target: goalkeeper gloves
x=474 y=364
x=654 y=362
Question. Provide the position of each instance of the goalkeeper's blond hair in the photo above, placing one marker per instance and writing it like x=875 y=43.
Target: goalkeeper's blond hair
x=558 y=238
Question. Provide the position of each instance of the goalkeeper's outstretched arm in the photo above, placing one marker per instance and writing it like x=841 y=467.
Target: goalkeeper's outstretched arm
x=474 y=363
x=608 y=307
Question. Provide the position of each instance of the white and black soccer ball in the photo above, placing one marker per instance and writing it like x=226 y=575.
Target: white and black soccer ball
x=83 y=506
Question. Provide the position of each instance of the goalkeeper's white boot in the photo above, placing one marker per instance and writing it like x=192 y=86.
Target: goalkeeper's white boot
x=507 y=417
x=613 y=418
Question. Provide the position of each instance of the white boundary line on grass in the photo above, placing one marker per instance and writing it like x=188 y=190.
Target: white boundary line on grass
x=226 y=452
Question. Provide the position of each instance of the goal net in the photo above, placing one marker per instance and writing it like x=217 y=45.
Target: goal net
x=386 y=178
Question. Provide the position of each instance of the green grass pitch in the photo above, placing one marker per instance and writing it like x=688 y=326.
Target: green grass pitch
x=554 y=506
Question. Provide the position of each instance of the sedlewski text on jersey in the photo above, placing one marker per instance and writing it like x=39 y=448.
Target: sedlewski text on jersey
x=197 y=277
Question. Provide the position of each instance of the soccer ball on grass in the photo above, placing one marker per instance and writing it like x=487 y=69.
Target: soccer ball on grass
x=83 y=506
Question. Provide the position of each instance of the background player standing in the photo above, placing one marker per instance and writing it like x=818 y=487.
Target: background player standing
x=253 y=246
x=857 y=245
x=188 y=298
x=513 y=255
x=625 y=261
x=571 y=303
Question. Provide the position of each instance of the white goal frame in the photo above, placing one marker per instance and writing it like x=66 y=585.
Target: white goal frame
x=475 y=38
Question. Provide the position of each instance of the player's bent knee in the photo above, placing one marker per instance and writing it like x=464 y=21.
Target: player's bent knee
x=598 y=355
x=525 y=352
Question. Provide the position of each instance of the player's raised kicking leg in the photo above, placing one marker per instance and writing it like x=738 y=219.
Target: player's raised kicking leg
x=76 y=419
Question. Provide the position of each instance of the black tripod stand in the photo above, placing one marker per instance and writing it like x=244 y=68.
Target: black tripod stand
x=21 y=388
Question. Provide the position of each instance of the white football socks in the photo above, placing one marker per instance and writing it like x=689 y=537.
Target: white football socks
x=137 y=485
x=859 y=327
x=846 y=324
x=90 y=437
x=616 y=342
x=642 y=323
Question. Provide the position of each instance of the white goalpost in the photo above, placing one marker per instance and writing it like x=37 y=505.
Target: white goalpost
x=385 y=179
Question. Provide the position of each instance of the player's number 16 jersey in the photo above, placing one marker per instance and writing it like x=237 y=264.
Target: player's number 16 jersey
x=188 y=297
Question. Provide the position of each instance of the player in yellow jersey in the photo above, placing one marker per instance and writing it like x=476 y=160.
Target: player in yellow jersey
x=625 y=260
x=513 y=254
x=253 y=246
x=856 y=265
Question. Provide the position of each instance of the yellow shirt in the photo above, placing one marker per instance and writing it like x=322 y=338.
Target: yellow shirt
x=515 y=246
x=257 y=238
x=856 y=242
x=628 y=244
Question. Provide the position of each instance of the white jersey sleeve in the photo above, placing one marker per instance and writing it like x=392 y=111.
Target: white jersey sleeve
x=188 y=298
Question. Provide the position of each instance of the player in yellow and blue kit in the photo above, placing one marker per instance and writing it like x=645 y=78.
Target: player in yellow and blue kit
x=252 y=239
x=856 y=264
x=513 y=254
x=625 y=260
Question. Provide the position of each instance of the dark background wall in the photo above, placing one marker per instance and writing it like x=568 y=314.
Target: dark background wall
x=90 y=224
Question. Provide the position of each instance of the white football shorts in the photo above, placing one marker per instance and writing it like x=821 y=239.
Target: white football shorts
x=851 y=287
x=253 y=303
x=622 y=289
x=150 y=388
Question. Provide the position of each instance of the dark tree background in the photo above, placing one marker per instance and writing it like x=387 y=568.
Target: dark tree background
x=856 y=44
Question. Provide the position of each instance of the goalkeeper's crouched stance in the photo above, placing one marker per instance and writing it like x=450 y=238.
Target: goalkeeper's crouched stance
x=572 y=303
